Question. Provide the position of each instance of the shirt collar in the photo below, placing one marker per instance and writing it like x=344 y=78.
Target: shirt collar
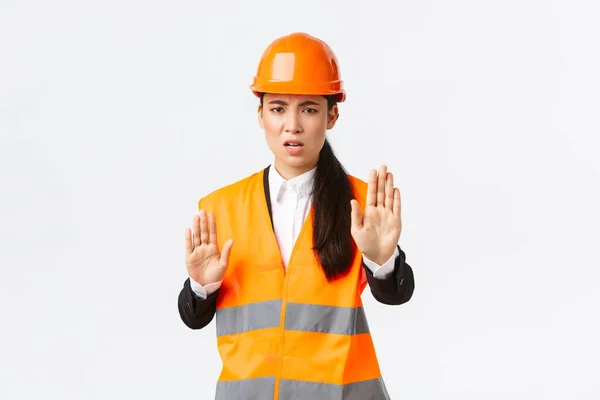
x=301 y=184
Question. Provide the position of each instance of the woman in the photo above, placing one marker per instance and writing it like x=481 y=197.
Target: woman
x=282 y=257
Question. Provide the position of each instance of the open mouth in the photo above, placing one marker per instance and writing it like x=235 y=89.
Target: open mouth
x=293 y=143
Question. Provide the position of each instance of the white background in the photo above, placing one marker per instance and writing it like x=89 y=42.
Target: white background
x=117 y=116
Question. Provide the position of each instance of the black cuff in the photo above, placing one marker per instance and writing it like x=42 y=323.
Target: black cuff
x=397 y=288
x=195 y=312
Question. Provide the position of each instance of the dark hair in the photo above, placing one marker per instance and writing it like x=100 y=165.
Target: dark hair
x=332 y=192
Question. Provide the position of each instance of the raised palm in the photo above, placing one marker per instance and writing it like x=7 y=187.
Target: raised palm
x=205 y=263
x=377 y=232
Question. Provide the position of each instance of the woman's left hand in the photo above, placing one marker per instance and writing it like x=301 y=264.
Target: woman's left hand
x=377 y=232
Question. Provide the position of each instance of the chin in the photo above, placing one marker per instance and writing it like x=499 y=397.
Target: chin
x=295 y=161
x=292 y=160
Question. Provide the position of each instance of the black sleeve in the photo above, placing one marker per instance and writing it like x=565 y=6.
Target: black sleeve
x=398 y=287
x=196 y=313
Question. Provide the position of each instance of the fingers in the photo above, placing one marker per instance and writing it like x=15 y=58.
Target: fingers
x=389 y=191
x=397 y=203
x=381 y=185
x=224 y=260
x=196 y=227
x=212 y=223
x=355 y=215
x=380 y=189
x=203 y=228
x=189 y=248
x=372 y=189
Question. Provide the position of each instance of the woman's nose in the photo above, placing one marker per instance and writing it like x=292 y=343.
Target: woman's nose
x=292 y=123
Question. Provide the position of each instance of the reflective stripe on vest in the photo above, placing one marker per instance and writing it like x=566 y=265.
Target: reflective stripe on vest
x=262 y=388
x=298 y=317
x=249 y=317
x=256 y=388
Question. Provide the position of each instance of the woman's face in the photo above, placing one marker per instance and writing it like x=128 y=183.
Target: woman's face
x=295 y=127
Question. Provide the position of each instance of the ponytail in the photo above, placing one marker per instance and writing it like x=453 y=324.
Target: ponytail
x=332 y=192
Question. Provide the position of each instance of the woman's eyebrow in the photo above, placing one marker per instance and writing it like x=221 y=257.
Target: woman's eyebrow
x=304 y=103
x=280 y=102
x=309 y=103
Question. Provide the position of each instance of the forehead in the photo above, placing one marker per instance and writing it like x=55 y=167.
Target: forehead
x=294 y=98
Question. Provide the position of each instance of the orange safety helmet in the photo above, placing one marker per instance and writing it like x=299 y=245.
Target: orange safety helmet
x=299 y=64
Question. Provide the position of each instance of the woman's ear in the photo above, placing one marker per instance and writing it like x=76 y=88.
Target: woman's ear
x=260 y=119
x=332 y=116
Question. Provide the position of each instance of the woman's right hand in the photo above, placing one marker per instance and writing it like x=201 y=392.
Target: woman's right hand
x=205 y=264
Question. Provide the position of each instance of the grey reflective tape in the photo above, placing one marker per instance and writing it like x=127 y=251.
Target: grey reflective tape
x=246 y=389
x=326 y=319
x=299 y=317
x=249 y=317
x=373 y=389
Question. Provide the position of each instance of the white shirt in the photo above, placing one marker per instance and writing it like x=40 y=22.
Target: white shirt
x=290 y=204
